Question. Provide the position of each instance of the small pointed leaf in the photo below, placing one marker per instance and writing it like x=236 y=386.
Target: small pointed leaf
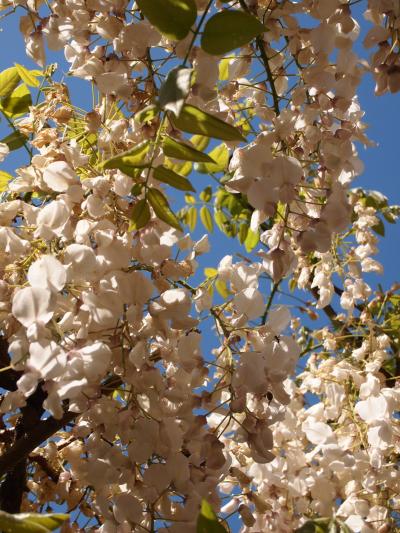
x=220 y=154
x=194 y=120
x=166 y=175
x=206 y=218
x=5 y=177
x=191 y=218
x=173 y=18
x=207 y=521
x=161 y=208
x=30 y=77
x=140 y=215
x=180 y=150
x=14 y=140
x=130 y=160
x=18 y=102
x=229 y=29
x=9 y=80
x=174 y=90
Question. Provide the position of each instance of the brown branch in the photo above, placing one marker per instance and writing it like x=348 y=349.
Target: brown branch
x=31 y=440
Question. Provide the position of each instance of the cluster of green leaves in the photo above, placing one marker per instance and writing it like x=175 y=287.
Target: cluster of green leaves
x=229 y=212
x=15 y=99
x=30 y=522
x=223 y=32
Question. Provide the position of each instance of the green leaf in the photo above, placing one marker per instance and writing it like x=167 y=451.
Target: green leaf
x=206 y=195
x=222 y=288
x=174 y=90
x=210 y=272
x=228 y=30
x=173 y=18
x=30 y=77
x=161 y=208
x=5 y=177
x=251 y=240
x=30 y=522
x=9 y=80
x=140 y=215
x=190 y=199
x=180 y=150
x=206 y=219
x=191 y=218
x=220 y=154
x=194 y=120
x=200 y=142
x=18 y=102
x=166 y=175
x=207 y=521
x=14 y=141
x=147 y=114
x=130 y=160
x=243 y=231
x=379 y=228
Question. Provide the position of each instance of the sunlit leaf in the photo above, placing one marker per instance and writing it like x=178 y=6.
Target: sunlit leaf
x=180 y=150
x=200 y=142
x=9 y=80
x=161 y=208
x=210 y=272
x=140 y=215
x=206 y=194
x=130 y=160
x=166 y=175
x=206 y=218
x=243 y=231
x=207 y=521
x=174 y=90
x=191 y=218
x=14 y=140
x=251 y=241
x=220 y=154
x=147 y=114
x=173 y=18
x=30 y=77
x=228 y=30
x=30 y=522
x=194 y=120
x=5 y=177
x=18 y=102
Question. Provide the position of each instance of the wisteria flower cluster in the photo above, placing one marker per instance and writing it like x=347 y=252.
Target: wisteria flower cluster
x=116 y=406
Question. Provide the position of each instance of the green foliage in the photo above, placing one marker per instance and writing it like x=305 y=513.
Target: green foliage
x=228 y=30
x=128 y=162
x=30 y=522
x=206 y=218
x=161 y=208
x=173 y=18
x=14 y=140
x=29 y=77
x=140 y=215
x=174 y=90
x=194 y=120
x=166 y=175
x=17 y=103
x=180 y=150
x=9 y=80
x=220 y=154
x=324 y=525
x=4 y=179
x=207 y=521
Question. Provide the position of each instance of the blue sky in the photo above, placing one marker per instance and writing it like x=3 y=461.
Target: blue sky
x=381 y=163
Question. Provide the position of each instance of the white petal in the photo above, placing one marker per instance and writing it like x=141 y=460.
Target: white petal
x=58 y=176
x=32 y=304
x=47 y=273
x=374 y=408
